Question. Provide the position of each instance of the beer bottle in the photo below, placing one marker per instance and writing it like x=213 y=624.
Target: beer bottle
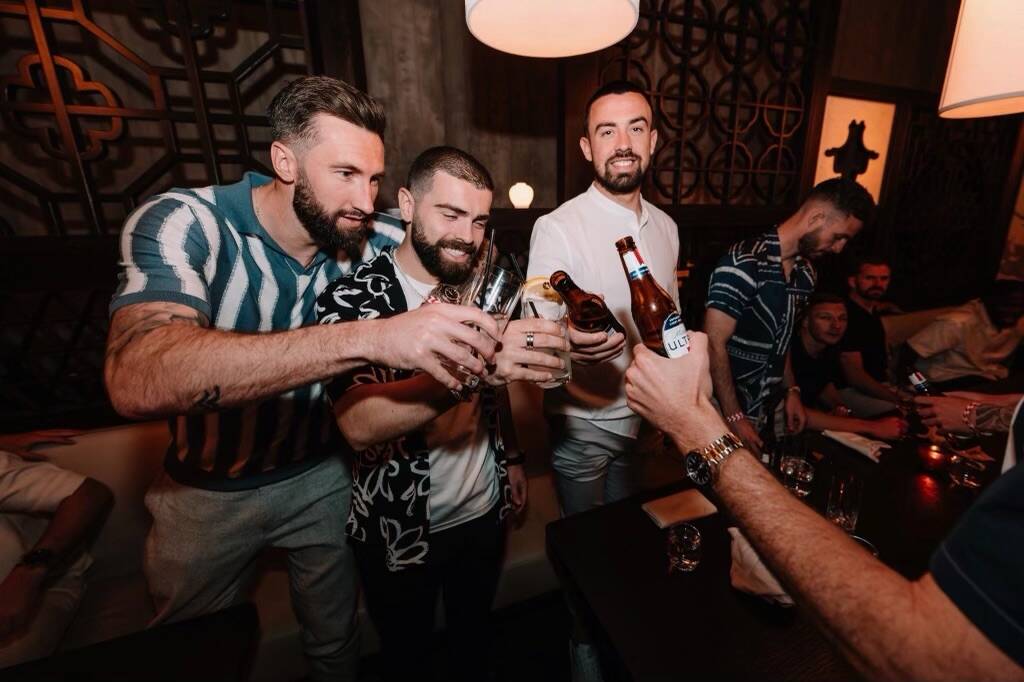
x=920 y=385
x=654 y=312
x=587 y=311
x=919 y=382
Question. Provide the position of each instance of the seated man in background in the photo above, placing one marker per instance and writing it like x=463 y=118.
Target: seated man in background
x=47 y=515
x=972 y=343
x=864 y=356
x=963 y=620
x=815 y=359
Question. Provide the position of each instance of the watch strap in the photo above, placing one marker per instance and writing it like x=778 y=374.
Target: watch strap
x=718 y=450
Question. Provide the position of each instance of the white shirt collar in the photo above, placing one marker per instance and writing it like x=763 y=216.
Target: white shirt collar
x=612 y=206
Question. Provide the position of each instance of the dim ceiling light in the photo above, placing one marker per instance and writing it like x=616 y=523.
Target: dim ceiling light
x=551 y=28
x=985 y=76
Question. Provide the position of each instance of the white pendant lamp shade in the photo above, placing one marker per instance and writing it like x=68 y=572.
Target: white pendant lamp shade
x=551 y=28
x=985 y=75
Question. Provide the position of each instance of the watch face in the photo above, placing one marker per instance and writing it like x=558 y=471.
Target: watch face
x=697 y=469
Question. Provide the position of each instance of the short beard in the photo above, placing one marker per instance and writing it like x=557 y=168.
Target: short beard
x=807 y=245
x=434 y=261
x=323 y=227
x=873 y=294
x=622 y=183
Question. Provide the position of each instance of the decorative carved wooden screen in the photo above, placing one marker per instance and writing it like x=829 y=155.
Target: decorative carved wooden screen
x=944 y=212
x=103 y=103
x=731 y=84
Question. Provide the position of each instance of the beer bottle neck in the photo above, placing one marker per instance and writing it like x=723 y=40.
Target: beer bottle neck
x=634 y=264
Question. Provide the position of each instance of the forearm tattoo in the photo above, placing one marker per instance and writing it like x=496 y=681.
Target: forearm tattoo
x=994 y=418
x=148 y=323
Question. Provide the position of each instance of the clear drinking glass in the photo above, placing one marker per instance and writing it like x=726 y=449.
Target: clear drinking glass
x=844 y=495
x=543 y=302
x=797 y=475
x=495 y=291
x=965 y=472
x=684 y=547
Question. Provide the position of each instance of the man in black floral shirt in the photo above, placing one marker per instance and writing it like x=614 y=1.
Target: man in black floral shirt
x=432 y=484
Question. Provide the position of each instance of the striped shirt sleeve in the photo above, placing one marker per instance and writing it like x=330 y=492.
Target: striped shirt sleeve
x=164 y=253
x=733 y=283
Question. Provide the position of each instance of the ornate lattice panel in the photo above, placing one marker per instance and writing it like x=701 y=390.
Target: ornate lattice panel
x=103 y=103
x=730 y=81
x=943 y=210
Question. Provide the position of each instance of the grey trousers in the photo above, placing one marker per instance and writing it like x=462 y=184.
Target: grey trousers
x=201 y=552
x=592 y=466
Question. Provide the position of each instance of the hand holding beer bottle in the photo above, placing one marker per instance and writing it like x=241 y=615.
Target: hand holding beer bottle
x=595 y=334
x=660 y=326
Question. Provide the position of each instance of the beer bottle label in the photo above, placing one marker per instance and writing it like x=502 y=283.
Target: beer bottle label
x=920 y=383
x=673 y=336
x=634 y=265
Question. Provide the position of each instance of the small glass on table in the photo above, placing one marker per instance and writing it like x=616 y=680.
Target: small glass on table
x=797 y=475
x=683 y=548
x=965 y=471
x=844 y=495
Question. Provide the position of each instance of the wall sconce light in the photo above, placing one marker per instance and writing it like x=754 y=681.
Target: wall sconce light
x=985 y=75
x=551 y=28
x=521 y=195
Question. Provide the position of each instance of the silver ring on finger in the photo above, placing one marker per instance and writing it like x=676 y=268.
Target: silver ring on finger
x=529 y=340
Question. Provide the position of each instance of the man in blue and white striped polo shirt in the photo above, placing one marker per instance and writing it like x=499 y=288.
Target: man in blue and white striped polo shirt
x=213 y=326
x=757 y=290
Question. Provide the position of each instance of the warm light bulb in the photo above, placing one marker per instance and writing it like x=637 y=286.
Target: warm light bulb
x=521 y=195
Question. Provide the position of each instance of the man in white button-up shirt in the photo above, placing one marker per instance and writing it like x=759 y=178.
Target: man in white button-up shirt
x=593 y=431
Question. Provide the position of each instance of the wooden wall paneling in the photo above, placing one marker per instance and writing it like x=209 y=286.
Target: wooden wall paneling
x=1004 y=213
x=334 y=39
x=943 y=224
x=825 y=19
x=405 y=71
x=501 y=108
x=581 y=79
x=897 y=43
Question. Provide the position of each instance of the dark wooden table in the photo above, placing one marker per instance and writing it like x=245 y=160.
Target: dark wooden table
x=654 y=625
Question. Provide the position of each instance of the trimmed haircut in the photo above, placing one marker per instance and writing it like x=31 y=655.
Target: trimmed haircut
x=847 y=196
x=861 y=261
x=816 y=299
x=454 y=162
x=823 y=297
x=292 y=110
x=617 y=87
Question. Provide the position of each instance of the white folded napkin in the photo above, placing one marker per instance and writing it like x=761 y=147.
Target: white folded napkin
x=871 y=449
x=749 y=574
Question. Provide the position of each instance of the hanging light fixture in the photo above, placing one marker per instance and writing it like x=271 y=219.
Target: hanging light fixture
x=985 y=76
x=551 y=28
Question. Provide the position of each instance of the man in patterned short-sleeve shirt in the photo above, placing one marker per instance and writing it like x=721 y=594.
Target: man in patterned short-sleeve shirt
x=758 y=289
x=212 y=328
x=431 y=479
